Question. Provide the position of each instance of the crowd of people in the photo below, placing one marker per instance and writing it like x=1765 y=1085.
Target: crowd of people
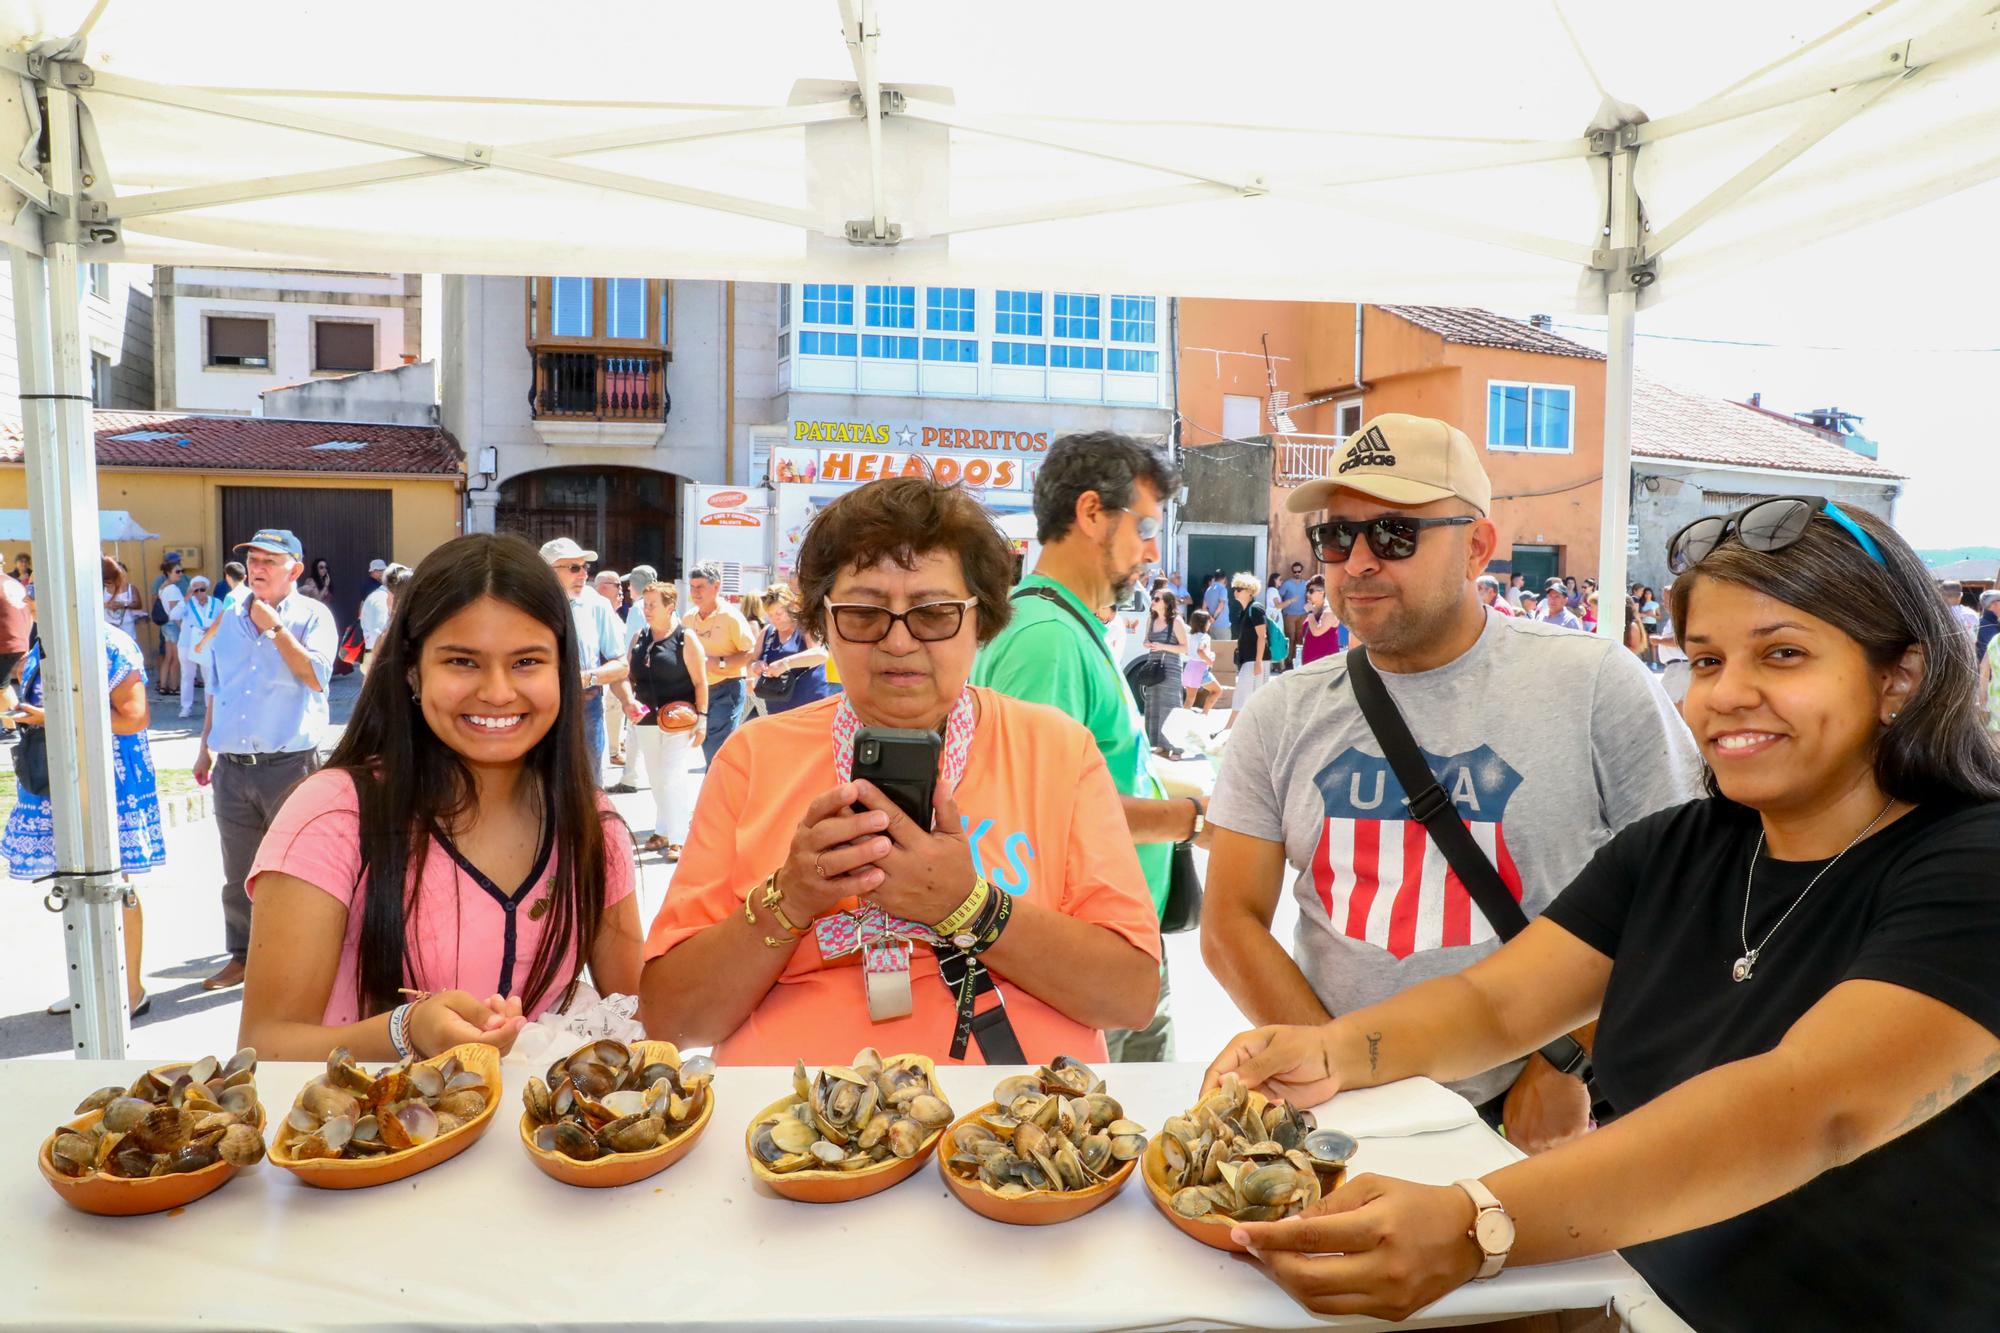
x=1599 y=922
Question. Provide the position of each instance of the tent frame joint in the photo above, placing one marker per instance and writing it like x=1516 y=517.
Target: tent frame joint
x=892 y=103
x=861 y=231
x=106 y=887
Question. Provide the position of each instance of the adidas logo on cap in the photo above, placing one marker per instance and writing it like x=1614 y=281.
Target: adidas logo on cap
x=1371 y=450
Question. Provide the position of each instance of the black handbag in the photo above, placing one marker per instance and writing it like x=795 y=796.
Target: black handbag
x=31 y=752
x=778 y=688
x=1183 y=909
x=1428 y=803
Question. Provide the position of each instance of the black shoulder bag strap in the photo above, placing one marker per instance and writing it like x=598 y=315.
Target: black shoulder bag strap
x=1429 y=805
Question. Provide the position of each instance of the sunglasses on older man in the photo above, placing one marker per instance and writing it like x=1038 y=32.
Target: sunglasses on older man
x=1391 y=537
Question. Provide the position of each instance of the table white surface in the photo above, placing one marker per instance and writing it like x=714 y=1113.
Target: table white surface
x=486 y=1241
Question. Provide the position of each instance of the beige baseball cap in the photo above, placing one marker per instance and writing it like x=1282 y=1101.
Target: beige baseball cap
x=1401 y=460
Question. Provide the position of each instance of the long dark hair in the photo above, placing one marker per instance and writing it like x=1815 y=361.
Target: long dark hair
x=410 y=782
x=1936 y=747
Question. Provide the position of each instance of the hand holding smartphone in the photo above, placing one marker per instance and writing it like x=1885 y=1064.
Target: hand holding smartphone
x=903 y=765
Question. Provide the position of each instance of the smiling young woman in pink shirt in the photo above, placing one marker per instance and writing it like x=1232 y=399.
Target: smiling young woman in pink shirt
x=449 y=872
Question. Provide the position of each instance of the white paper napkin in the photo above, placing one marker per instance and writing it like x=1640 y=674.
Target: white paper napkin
x=1395 y=1110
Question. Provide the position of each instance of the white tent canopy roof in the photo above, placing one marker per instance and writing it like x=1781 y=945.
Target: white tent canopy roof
x=1307 y=149
x=113 y=525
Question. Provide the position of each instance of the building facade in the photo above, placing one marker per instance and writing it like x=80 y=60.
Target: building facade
x=588 y=406
x=353 y=493
x=117 y=311
x=1693 y=455
x=225 y=336
x=1301 y=377
x=842 y=383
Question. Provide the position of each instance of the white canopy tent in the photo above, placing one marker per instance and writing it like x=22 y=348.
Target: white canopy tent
x=1599 y=157
x=113 y=525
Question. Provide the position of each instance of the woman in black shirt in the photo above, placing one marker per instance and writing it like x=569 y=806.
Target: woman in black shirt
x=668 y=667
x=1794 y=981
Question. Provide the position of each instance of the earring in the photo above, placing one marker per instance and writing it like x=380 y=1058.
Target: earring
x=1894 y=714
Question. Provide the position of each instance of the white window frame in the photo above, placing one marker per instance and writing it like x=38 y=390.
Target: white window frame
x=100 y=380
x=784 y=322
x=821 y=326
x=1340 y=408
x=1529 y=447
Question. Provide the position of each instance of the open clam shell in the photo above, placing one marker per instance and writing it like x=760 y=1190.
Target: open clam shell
x=342 y=1173
x=830 y=1185
x=624 y=1168
x=108 y=1195
x=1038 y=1208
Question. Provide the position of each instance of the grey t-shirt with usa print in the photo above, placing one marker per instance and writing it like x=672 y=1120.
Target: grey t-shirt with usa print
x=1541 y=787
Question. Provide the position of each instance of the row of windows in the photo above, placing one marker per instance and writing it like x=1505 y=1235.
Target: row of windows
x=1074 y=320
x=338 y=346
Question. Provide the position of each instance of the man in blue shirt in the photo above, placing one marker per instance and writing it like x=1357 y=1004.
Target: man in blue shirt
x=1292 y=606
x=1555 y=608
x=269 y=662
x=1215 y=601
x=600 y=640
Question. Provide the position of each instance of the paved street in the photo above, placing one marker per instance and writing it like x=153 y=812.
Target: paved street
x=184 y=935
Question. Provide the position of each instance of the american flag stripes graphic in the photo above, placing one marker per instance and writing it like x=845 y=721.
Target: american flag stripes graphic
x=1378 y=874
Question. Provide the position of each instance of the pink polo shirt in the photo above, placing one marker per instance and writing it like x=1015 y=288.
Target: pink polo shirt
x=465 y=932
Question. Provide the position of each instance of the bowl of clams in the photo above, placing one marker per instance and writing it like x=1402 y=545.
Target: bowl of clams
x=1051 y=1146
x=179 y=1132
x=1237 y=1156
x=609 y=1114
x=849 y=1131
x=350 y=1129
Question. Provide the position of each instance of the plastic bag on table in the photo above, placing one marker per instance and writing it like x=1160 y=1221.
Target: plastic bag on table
x=589 y=1016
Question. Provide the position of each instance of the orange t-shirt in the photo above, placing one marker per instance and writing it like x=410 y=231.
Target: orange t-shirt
x=1045 y=824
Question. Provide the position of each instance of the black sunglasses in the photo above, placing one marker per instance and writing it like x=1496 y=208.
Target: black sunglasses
x=933 y=622
x=1393 y=537
x=1768 y=525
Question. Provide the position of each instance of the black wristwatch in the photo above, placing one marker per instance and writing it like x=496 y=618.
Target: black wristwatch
x=1566 y=1053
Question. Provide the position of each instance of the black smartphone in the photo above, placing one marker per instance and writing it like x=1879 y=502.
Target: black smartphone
x=903 y=763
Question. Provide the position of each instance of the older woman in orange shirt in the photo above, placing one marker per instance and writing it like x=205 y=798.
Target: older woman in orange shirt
x=799 y=927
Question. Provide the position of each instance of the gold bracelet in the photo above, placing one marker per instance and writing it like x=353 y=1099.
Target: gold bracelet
x=773 y=898
x=974 y=903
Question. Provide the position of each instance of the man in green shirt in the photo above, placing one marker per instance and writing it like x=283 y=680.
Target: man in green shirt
x=1097 y=516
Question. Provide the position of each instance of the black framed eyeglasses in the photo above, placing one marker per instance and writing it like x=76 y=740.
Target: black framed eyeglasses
x=1768 y=525
x=932 y=622
x=1391 y=537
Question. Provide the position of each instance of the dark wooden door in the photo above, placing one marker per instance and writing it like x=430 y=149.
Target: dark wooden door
x=626 y=515
x=345 y=527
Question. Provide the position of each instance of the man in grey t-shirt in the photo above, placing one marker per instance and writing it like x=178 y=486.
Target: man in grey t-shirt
x=1304 y=784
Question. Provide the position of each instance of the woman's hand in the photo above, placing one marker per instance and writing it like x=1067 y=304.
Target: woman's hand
x=1375 y=1246
x=833 y=856
x=1295 y=1063
x=927 y=875
x=31 y=716
x=755 y=669
x=452 y=1018
x=634 y=710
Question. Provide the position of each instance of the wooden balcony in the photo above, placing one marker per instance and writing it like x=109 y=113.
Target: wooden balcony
x=585 y=385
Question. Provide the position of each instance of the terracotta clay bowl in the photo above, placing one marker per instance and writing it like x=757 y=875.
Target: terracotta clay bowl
x=837 y=1186
x=115 y=1196
x=341 y=1173
x=1210 y=1231
x=1043 y=1208
x=625 y=1167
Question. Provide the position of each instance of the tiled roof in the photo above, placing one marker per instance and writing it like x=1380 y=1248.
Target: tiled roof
x=258 y=444
x=1483 y=328
x=1686 y=427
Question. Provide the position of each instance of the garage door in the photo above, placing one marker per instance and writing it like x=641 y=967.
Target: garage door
x=346 y=528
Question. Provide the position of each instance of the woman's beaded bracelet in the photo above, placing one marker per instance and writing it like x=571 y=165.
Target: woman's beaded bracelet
x=399 y=1030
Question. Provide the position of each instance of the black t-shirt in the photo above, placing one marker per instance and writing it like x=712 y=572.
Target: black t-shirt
x=1248 y=619
x=659 y=669
x=1905 y=1237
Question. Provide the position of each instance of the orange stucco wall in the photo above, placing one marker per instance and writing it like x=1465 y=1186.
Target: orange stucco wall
x=1540 y=499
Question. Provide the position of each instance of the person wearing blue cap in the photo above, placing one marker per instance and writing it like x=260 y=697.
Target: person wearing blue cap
x=269 y=663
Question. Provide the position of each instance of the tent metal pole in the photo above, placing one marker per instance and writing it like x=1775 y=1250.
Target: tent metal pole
x=61 y=461
x=1623 y=308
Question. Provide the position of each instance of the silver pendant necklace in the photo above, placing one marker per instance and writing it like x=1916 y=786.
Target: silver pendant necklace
x=1748 y=962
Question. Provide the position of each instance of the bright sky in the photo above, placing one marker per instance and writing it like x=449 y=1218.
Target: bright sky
x=1933 y=406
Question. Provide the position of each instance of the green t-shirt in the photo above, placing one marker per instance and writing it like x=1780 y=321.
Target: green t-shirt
x=1046 y=657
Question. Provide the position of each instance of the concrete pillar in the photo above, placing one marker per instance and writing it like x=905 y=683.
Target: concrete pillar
x=482 y=509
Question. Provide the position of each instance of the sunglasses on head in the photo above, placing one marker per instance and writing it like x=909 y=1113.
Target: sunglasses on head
x=1768 y=525
x=1391 y=537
